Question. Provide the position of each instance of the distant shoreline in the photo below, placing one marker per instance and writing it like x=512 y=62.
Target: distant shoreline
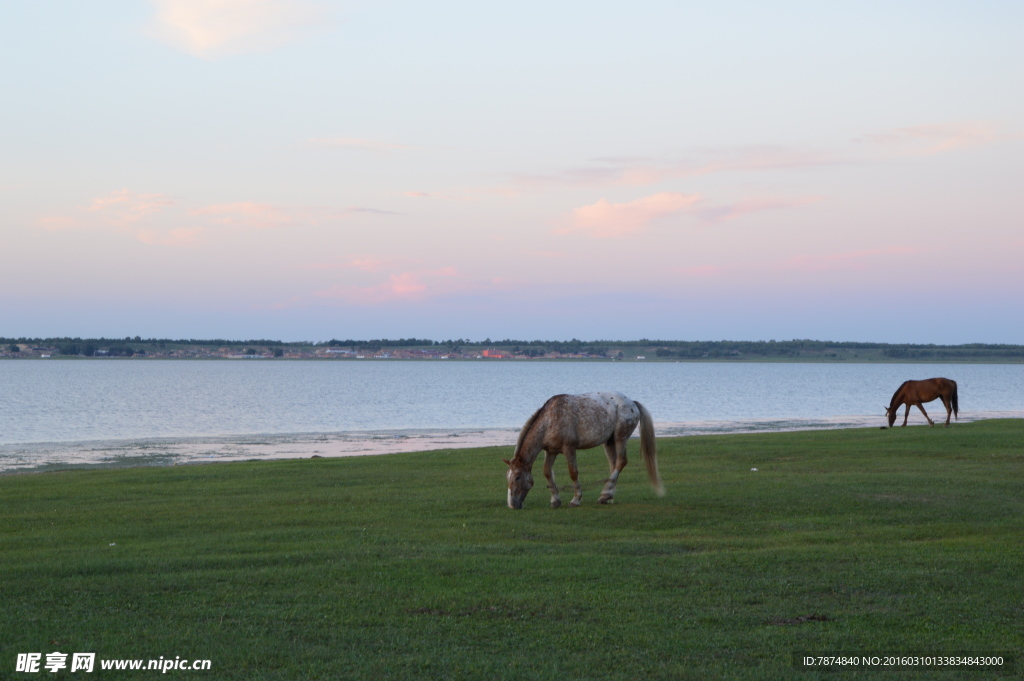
x=649 y=350
x=652 y=360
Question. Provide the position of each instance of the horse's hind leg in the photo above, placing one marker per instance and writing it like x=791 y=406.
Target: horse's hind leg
x=921 y=407
x=949 y=407
x=574 y=473
x=609 y=451
x=549 y=473
x=616 y=452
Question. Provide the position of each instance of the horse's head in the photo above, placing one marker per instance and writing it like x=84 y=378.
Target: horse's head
x=890 y=413
x=520 y=480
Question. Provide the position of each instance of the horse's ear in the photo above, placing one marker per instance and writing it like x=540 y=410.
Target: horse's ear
x=507 y=463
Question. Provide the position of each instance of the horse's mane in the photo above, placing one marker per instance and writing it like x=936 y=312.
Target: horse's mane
x=896 y=394
x=528 y=425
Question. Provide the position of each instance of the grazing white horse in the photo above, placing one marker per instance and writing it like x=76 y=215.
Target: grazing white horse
x=569 y=422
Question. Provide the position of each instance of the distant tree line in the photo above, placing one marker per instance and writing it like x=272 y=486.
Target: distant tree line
x=953 y=351
x=667 y=349
x=701 y=349
x=139 y=339
x=119 y=347
x=91 y=349
x=379 y=344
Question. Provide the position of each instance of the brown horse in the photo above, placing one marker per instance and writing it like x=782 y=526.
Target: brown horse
x=569 y=422
x=919 y=392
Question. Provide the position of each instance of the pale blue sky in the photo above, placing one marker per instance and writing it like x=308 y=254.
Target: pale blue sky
x=308 y=170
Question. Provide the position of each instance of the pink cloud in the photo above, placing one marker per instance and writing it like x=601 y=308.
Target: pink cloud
x=407 y=284
x=246 y=214
x=937 y=138
x=124 y=207
x=638 y=171
x=731 y=211
x=604 y=219
x=157 y=220
x=125 y=212
x=400 y=286
x=641 y=171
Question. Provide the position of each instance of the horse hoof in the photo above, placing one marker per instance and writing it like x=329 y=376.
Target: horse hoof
x=574 y=503
x=556 y=503
x=606 y=499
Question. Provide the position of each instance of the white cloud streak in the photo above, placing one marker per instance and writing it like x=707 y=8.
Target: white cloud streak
x=213 y=29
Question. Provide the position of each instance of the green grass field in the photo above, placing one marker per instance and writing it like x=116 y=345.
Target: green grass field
x=409 y=566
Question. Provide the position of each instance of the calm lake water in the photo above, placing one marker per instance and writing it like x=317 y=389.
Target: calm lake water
x=66 y=401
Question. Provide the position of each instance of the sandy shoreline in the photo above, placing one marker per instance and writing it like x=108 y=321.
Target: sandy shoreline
x=48 y=456
x=187 y=450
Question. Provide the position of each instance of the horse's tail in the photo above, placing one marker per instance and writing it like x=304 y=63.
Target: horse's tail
x=955 y=401
x=649 y=449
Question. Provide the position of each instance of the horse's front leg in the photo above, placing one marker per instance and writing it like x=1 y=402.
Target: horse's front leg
x=906 y=414
x=574 y=473
x=921 y=407
x=549 y=473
